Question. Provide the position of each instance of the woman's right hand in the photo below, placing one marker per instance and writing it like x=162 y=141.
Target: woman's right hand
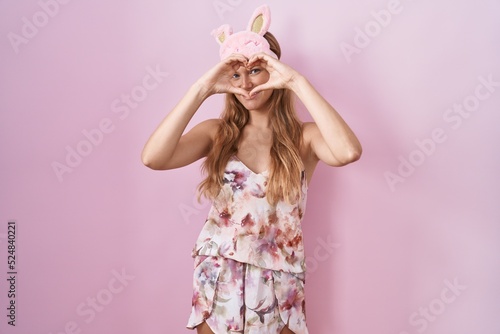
x=218 y=79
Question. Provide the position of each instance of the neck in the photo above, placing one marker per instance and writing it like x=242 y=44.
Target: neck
x=259 y=118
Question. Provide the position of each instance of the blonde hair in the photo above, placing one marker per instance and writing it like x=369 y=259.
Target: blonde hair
x=286 y=163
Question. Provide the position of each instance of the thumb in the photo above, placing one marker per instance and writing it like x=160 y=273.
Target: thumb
x=260 y=88
x=238 y=91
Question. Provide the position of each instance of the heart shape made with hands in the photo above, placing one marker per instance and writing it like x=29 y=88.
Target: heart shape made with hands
x=272 y=66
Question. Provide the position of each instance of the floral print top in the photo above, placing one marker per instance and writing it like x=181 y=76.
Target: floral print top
x=243 y=226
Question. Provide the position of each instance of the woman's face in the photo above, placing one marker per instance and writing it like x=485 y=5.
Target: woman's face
x=248 y=79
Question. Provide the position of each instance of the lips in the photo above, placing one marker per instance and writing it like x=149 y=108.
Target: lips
x=252 y=97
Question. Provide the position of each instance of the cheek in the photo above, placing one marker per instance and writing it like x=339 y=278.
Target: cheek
x=267 y=94
x=264 y=77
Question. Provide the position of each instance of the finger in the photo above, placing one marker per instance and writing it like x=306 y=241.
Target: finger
x=224 y=67
x=235 y=61
x=238 y=91
x=260 y=88
x=236 y=58
x=257 y=63
x=261 y=57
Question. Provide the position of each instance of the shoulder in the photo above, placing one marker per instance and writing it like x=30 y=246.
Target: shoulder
x=209 y=126
x=211 y=123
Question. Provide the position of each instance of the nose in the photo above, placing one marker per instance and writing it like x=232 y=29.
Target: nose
x=246 y=82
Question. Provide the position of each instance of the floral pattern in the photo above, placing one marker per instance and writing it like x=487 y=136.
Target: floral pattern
x=235 y=297
x=249 y=259
x=243 y=226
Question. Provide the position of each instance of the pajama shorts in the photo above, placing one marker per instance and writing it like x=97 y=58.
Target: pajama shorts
x=235 y=297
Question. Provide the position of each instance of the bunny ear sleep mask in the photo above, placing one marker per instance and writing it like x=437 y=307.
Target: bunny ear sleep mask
x=247 y=42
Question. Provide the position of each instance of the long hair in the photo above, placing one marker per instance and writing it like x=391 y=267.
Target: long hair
x=286 y=163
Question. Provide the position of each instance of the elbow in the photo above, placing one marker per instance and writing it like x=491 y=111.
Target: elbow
x=154 y=163
x=149 y=162
x=351 y=156
x=355 y=154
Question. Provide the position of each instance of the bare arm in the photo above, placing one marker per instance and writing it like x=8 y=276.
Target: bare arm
x=330 y=138
x=168 y=148
x=165 y=149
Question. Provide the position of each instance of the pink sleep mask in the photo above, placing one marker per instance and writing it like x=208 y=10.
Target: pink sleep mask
x=247 y=42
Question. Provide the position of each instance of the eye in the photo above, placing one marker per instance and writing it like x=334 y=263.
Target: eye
x=255 y=70
x=236 y=76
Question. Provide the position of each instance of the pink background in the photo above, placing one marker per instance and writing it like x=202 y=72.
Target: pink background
x=382 y=255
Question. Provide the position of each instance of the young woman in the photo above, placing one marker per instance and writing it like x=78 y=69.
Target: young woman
x=249 y=257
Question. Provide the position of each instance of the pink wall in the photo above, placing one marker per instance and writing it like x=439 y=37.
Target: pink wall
x=404 y=241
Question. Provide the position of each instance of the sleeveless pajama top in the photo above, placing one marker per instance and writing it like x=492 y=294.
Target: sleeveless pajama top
x=243 y=226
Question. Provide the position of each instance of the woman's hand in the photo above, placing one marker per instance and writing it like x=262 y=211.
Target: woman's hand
x=218 y=79
x=281 y=76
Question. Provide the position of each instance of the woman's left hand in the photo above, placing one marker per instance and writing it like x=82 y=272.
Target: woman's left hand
x=281 y=76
